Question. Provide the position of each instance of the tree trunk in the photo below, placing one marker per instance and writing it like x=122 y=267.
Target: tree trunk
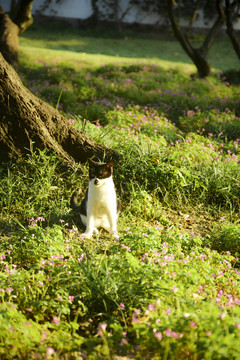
x=21 y=14
x=117 y=17
x=26 y=122
x=230 y=30
x=198 y=56
x=11 y=27
x=8 y=39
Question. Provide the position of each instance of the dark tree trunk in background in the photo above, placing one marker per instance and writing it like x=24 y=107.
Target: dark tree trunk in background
x=198 y=56
x=10 y=28
x=117 y=17
x=230 y=30
x=26 y=122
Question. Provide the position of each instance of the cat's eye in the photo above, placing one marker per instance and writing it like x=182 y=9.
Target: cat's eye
x=99 y=171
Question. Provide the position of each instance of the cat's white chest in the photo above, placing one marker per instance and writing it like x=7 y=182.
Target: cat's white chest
x=102 y=196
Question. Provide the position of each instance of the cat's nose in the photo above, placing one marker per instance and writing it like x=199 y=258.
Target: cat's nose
x=96 y=181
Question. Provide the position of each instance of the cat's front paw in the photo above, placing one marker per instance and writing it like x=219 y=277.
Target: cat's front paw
x=86 y=236
x=115 y=235
x=95 y=231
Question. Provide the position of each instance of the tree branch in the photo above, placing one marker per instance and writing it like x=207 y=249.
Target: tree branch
x=182 y=38
x=22 y=16
x=214 y=29
x=195 y=14
x=230 y=30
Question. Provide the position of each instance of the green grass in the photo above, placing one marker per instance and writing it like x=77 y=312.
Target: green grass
x=169 y=288
x=159 y=49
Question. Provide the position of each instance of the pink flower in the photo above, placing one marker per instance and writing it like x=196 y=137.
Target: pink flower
x=9 y=289
x=27 y=323
x=123 y=342
x=158 y=335
x=122 y=306
x=151 y=307
x=55 y=320
x=81 y=258
x=193 y=324
x=168 y=311
x=126 y=247
x=101 y=327
x=50 y=351
x=175 y=335
x=164 y=245
x=222 y=315
x=71 y=298
x=134 y=319
x=170 y=333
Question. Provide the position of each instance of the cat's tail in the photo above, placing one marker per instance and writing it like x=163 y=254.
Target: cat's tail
x=73 y=201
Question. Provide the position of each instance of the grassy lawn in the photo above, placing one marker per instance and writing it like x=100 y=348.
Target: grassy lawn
x=169 y=287
x=159 y=49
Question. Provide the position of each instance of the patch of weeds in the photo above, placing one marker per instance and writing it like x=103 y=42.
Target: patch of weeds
x=213 y=122
x=226 y=239
x=34 y=187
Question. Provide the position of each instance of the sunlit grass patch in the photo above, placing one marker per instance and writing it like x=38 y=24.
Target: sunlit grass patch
x=161 y=49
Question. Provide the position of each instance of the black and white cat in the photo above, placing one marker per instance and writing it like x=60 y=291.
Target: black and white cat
x=100 y=207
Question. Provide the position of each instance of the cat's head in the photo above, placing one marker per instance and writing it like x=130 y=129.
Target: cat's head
x=99 y=172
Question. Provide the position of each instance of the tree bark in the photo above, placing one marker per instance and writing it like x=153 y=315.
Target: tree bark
x=26 y=122
x=198 y=56
x=230 y=30
x=10 y=28
x=8 y=39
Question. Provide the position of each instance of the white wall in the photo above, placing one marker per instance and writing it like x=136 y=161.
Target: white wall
x=77 y=9
x=5 y=4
